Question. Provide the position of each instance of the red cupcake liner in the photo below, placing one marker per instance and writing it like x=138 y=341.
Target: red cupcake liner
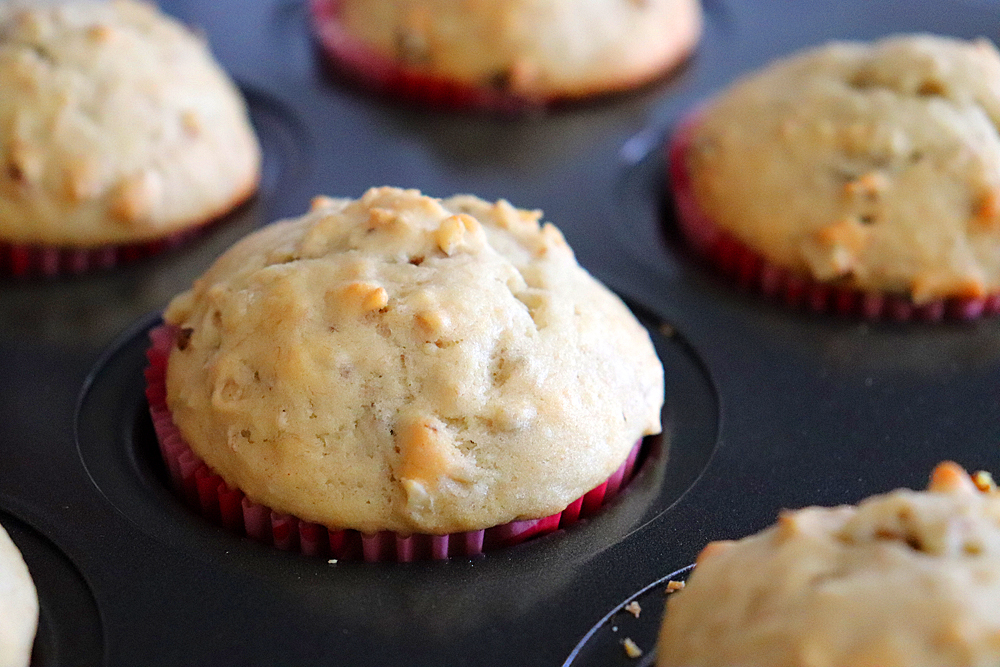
x=206 y=493
x=369 y=69
x=22 y=260
x=749 y=270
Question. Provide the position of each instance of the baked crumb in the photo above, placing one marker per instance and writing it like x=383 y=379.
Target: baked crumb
x=631 y=650
x=633 y=608
x=332 y=561
x=673 y=585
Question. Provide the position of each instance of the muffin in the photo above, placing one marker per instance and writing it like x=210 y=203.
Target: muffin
x=401 y=365
x=861 y=178
x=903 y=579
x=505 y=54
x=119 y=135
x=18 y=606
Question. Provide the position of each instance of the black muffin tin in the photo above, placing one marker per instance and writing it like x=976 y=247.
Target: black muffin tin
x=766 y=408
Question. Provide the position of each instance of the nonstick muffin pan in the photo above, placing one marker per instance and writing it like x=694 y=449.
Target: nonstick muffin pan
x=766 y=408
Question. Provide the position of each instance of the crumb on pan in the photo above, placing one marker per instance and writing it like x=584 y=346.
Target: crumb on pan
x=633 y=608
x=631 y=650
x=674 y=585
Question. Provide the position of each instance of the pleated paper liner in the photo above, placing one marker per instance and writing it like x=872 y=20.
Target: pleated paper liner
x=368 y=69
x=207 y=494
x=28 y=260
x=750 y=271
x=22 y=260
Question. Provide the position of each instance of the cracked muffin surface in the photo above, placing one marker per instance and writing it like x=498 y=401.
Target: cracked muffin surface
x=905 y=579
x=405 y=363
x=876 y=166
x=116 y=126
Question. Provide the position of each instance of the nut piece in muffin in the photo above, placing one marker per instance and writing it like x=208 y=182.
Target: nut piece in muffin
x=873 y=168
x=903 y=579
x=116 y=126
x=532 y=50
x=409 y=364
x=18 y=606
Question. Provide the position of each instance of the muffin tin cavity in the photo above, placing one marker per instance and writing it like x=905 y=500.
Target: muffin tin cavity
x=647 y=222
x=283 y=141
x=119 y=449
x=636 y=622
x=69 y=625
x=767 y=408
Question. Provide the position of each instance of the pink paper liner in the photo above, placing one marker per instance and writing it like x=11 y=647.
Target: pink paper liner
x=22 y=260
x=208 y=494
x=749 y=270
x=369 y=69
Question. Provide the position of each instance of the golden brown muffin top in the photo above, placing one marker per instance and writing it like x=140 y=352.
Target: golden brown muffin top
x=536 y=48
x=872 y=165
x=405 y=363
x=116 y=126
x=903 y=579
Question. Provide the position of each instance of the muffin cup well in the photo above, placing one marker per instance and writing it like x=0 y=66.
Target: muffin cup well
x=751 y=271
x=362 y=65
x=207 y=494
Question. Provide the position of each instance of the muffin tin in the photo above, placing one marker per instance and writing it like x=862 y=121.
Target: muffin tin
x=766 y=407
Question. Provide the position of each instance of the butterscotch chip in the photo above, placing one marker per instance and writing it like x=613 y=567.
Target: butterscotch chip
x=357 y=298
x=535 y=48
x=984 y=481
x=116 y=126
x=874 y=166
x=431 y=377
x=902 y=579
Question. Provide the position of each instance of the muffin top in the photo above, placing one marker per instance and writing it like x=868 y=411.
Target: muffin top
x=411 y=364
x=18 y=606
x=535 y=48
x=116 y=126
x=907 y=578
x=875 y=165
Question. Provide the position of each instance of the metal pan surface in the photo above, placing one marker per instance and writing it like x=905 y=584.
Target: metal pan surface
x=766 y=408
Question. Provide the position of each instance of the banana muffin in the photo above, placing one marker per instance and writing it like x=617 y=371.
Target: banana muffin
x=871 y=170
x=408 y=364
x=18 y=606
x=530 y=50
x=117 y=128
x=903 y=579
